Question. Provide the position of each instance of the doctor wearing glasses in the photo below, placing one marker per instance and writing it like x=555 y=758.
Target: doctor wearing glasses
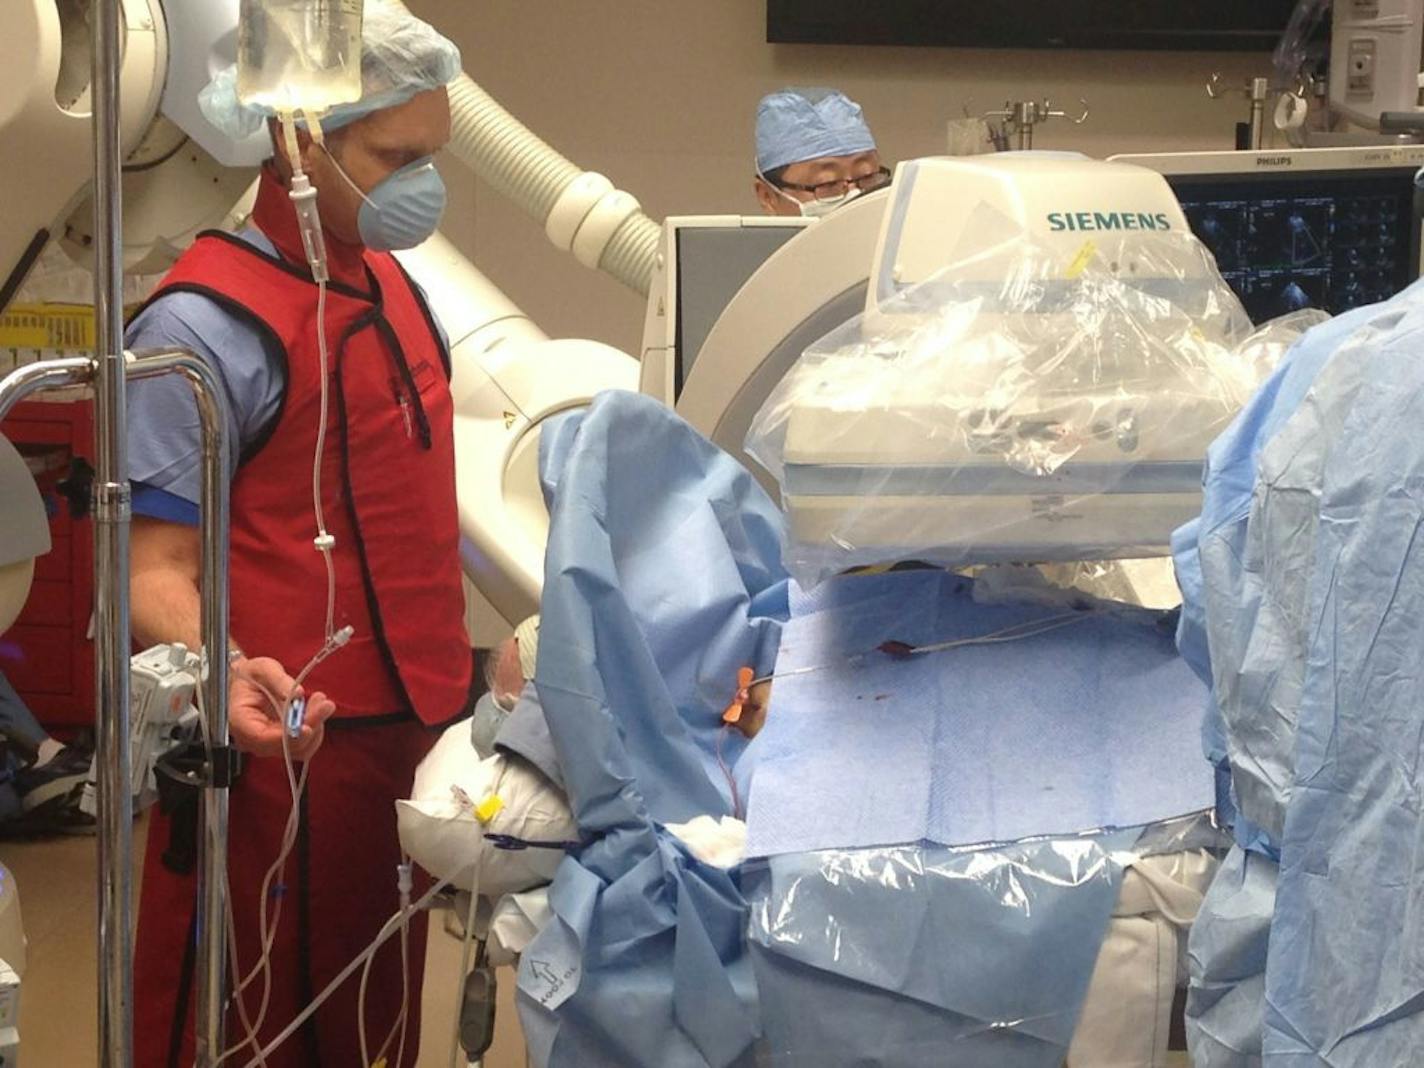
x=815 y=153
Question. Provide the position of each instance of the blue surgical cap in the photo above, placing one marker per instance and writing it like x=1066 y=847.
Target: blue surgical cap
x=401 y=56
x=795 y=125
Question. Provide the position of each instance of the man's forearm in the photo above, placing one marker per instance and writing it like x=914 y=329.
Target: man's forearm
x=165 y=607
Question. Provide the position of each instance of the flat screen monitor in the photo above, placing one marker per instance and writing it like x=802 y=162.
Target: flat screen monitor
x=1314 y=228
x=713 y=262
x=1184 y=25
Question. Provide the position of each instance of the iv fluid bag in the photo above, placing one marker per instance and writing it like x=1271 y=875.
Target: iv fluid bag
x=299 y=54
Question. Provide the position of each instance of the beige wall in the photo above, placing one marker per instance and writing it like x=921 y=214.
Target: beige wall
x=659 y=95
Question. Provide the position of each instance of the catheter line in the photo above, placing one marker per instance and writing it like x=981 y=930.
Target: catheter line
x=900 y=650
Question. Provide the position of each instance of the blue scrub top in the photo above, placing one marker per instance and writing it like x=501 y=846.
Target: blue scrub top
x=164 y=434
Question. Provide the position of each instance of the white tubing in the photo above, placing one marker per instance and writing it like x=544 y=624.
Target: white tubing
x=604 y=220
x=567 y=215
x=506 y=154
x=587 y=215
x=608 y=231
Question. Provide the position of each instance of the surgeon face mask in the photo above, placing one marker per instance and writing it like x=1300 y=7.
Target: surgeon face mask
x=403 y=209
x=816 y=209
x=813 y=208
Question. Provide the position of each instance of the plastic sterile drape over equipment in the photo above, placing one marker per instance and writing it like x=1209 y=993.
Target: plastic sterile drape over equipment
x=1014 y=407
x=663 y=580
x=1298 y=580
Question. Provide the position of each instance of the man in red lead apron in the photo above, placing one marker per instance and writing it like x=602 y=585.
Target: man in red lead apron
x=248 y=303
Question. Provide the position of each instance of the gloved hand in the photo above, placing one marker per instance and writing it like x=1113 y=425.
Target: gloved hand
x=257 y=704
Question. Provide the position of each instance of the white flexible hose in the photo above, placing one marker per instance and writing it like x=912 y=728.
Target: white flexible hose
x=521 y=165
x=505 y=152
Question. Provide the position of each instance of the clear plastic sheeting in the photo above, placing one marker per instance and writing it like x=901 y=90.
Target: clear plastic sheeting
x=1295 y=57
x=1015 y=407
x=1023 y=936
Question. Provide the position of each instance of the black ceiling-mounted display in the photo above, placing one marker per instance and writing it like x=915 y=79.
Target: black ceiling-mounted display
x=1185 y=25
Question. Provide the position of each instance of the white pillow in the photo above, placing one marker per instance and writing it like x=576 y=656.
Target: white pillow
x=441 y=831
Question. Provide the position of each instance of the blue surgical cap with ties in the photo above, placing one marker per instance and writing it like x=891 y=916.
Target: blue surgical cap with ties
x=795 y=125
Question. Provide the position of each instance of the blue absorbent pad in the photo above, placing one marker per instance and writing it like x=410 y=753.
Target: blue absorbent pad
x=1095 y=724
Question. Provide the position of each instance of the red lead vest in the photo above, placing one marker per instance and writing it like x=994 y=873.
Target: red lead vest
x=388 y=487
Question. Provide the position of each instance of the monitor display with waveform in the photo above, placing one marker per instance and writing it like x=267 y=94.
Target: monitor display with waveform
x=1288 y=241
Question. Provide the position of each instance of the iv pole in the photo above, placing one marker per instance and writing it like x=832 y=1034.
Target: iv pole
x=111 y=558
x=107 y=372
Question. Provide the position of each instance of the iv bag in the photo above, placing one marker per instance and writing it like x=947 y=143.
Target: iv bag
x=299 y=54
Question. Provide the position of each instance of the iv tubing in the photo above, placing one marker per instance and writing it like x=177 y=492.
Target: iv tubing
x=389 y=928
x=304 y=200
x=398 y=1025
x=397 y=923
x=303 y=197
x=464 y=968
x=268 y=929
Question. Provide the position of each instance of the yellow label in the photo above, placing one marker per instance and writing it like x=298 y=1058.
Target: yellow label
x=64 y=327
x=1081 y=261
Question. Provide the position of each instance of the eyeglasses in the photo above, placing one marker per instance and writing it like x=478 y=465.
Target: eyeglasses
x=839 y=187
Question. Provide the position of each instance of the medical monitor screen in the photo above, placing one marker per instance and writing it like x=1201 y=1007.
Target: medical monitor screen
x=1186 y=25
x=712 y=264
x=1324 y=240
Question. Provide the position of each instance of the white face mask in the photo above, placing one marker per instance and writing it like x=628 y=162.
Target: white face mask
x=818 y=209
x=814 y=209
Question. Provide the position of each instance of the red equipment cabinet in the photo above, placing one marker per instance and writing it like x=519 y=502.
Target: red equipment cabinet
x=48 y=655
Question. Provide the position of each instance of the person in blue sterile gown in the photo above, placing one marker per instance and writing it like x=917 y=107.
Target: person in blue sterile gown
x=1302 y=602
